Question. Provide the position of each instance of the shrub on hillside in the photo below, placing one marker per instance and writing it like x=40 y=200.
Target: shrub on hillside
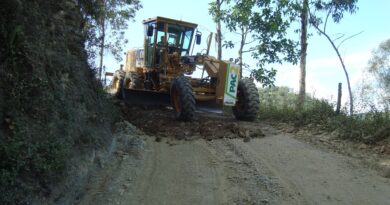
x=279 y=103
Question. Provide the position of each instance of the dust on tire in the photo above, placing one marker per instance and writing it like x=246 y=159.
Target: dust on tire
x=247 y=105
x=182 y=99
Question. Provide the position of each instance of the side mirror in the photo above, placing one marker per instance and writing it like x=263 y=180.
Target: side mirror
x=198 y=37
x=149 y=33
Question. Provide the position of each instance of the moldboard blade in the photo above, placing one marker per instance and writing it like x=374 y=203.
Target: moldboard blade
x=146 y=97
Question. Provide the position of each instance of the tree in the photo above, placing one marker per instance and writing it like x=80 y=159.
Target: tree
x=262 y=25
x=334 y=9
x=105 y=22
x=215 y=11
x=379 y=65
x=302 y=65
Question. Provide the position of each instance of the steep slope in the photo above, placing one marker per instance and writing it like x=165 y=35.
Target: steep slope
x=51 y=107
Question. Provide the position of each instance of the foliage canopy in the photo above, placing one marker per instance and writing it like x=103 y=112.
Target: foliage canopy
x=262 y=25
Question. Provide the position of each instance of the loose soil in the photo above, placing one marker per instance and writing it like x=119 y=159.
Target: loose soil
x=208 y=161
x=161 y=123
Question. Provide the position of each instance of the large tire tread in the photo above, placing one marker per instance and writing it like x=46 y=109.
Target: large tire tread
x=186 y=98
x=249 y=101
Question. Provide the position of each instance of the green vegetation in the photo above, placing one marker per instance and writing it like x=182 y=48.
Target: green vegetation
x=105 y=23
x=334 y=10
x=379 y=67
x=52 y=108
x=279 y=104
x=262 y=27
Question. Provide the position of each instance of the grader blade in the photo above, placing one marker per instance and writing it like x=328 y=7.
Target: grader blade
x=209 y=106
x=145 y=97
x=142 y=97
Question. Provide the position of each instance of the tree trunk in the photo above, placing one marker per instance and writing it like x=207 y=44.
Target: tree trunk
x=219 y=34
x=101 y=53
x=244 y=33
x=344 y=68
x=240 y=53
x=339 y=94
x=302 y=66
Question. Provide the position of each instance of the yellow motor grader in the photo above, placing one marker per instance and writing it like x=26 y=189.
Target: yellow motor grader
x=160 y=74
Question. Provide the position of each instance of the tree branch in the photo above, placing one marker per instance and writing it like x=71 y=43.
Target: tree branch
x=250 y=50
x=327 y=17
x=354 y=35
x=250 y=42
x=341 y=36
x=342 y=64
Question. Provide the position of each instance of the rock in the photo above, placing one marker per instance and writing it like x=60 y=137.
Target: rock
x=335 y=133
x=322 y=140
x=290 y=130
x=234 y=128
x=363 y=146
x=382 y=149
x=386 y=172
x=120 y=153
x=264 y=201
x=241 y=133
x=121 y=191
x=247 y=135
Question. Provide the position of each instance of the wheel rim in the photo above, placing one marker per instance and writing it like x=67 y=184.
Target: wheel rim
x=176 y=101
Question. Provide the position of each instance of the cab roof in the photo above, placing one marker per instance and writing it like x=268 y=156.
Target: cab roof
x=172 y=21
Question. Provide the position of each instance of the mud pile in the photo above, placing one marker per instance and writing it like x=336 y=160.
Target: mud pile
x=161 y=123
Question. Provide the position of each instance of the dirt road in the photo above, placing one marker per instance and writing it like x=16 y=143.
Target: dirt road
x=274 y=169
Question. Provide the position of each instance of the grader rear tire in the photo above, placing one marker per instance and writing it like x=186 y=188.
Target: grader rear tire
x=182 y=99
x=247 y=105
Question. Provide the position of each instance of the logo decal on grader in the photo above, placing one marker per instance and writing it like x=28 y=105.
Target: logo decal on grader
x=232 y=76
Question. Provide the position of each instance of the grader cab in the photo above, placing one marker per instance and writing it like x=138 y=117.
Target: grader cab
x=160 y=73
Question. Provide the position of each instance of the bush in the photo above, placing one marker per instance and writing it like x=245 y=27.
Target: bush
x=279 y=103
x=52 y=108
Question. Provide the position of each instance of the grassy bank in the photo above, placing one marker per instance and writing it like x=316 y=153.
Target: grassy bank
x=279 y=104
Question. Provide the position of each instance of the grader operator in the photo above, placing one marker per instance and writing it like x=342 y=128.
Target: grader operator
x=160 y=73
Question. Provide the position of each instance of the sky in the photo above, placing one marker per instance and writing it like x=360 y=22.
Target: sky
x=324 y=70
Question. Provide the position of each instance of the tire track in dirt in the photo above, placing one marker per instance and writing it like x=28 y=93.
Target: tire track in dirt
x=180 y=174
x=257 y=184
x=318 y=177
x=276 y=169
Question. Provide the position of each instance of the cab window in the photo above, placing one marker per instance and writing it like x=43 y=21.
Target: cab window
x=149 y=47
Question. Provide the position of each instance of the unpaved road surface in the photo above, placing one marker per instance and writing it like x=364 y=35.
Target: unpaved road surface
x=269 y=168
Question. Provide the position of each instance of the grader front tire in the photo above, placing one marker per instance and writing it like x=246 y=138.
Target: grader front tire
x=182 y=99
x=247 y=105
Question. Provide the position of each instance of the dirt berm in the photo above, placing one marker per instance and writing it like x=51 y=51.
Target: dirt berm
x=213 y=164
